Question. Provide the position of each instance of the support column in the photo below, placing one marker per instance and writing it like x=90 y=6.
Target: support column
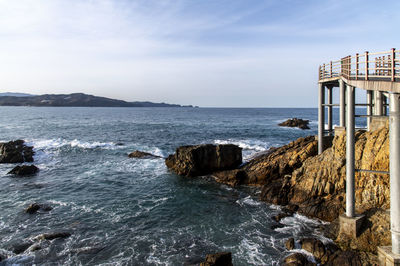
x=378 y=103
x=330 y=88
x=369 y=108
x=394 y=164
x=350 y=150
x=384 y=102
x=342 y=100
x=321 y=118
x=390 y=255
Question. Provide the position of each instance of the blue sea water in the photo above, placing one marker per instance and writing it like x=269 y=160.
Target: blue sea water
x=127 y=211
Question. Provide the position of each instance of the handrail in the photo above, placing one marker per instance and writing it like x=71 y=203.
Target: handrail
x=377 y=66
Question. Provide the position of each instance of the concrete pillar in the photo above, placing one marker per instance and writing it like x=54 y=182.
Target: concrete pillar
x=321 y=118
x=342 y=101
x=369 y=108
x=350 y=150
x=378 y=103
x=394 y=160
x=330 y=89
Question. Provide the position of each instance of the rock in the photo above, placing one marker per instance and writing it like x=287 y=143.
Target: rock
x=218 y=259
x=142 y=155
x=295 y=122
x=345 y=258
x=35 y=247
x=51 y=236
x=314 y=246
x=289 y=244
x=21 y=247
x=280 y=216
x=295 y=259
x=205 y=159
x=275 y=226
x=15 y=152
x=34 y=207
x=24 y=170
x=230 y=177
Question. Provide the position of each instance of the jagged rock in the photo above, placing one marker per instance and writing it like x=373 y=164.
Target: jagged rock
x=142 y=155
x=289 y=244
x=204 y=159
x=295 y=259
x=51 y=236
x=295 y=122
x=218 y=259
x=230 y=177
x=345 y=258
x=24 y=170
x=15 y=152
x=34 y=207
x=278 y=162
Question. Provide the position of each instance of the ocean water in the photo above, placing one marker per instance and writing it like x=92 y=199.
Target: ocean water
x=126 y=211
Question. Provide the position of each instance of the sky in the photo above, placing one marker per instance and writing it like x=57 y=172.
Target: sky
x=209 y=53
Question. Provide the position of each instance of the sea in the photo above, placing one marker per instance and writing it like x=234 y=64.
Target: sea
x=129 y=211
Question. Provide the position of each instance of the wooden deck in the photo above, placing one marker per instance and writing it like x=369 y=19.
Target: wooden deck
x=369 y=71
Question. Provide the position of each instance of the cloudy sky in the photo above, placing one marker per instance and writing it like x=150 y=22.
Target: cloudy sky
x=226 y=53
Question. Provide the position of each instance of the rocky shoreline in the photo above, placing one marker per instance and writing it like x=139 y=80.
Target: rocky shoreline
x=296 y=177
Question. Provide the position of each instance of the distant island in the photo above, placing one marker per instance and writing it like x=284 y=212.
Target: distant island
x=72 y=100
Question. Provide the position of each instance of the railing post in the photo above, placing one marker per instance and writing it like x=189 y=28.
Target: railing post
x=323 y=75
x=331 y=70
x=357 y=66
x=393 y=64
x=366 y=65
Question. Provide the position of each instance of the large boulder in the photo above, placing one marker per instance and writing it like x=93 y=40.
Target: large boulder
x=295 y=122
x=24 y=170
x=204 y=159
x=15 y=152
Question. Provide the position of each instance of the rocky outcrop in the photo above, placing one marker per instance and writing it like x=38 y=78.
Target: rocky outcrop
x=35 y=207
x=296 y=259
x=15 y=152
x=205 y=159
x=218 y=259
x=295 y=122
x=24 y=170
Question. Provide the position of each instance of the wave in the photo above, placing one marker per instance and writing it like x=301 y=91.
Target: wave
x=58 y=143
x=254 y=145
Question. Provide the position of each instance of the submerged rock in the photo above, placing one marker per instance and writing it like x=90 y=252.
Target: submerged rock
x=204 y=159
x=24 y=170
x=218 y=259
x=51 y=236
x=34 y=207
x=15 y=152
x=142 y=155
x=295 y=122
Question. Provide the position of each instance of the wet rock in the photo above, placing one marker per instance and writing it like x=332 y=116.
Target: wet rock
x=15 y=152
x=280 y=216
x=295 y=259
x=289 y=244
x=24 y=170
x=295 y=122
x=218 y=259
x=276 y=226
x=51 y=236
x=345 y=258
x=34 y=207
x=21 y=247
x=314 y=246
x=35 y=247
x=204 y=159
x=231 y=177
x=142 y=155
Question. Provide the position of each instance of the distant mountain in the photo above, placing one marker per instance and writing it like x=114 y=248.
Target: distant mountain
x=74 y=100
x=16 y=94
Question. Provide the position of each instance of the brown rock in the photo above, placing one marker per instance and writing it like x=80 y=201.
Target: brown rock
x=24 y=170
x=142 y=155
x=15 y=152
x=349 y=258
x=34 y=207
x=204 y=159
x=218 y=259
x=295 y=259
x=295 y=122
x=230 y=177
x=314 y=246
x=289 y=244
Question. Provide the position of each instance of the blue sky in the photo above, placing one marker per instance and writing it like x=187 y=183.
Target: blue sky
x=203 y=52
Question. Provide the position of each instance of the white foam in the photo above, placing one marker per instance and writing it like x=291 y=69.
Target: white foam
x=246 y=144
x=248 y=201
x=51 y=144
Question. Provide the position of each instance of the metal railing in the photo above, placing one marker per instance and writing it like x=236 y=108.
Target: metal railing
x=381 y=66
